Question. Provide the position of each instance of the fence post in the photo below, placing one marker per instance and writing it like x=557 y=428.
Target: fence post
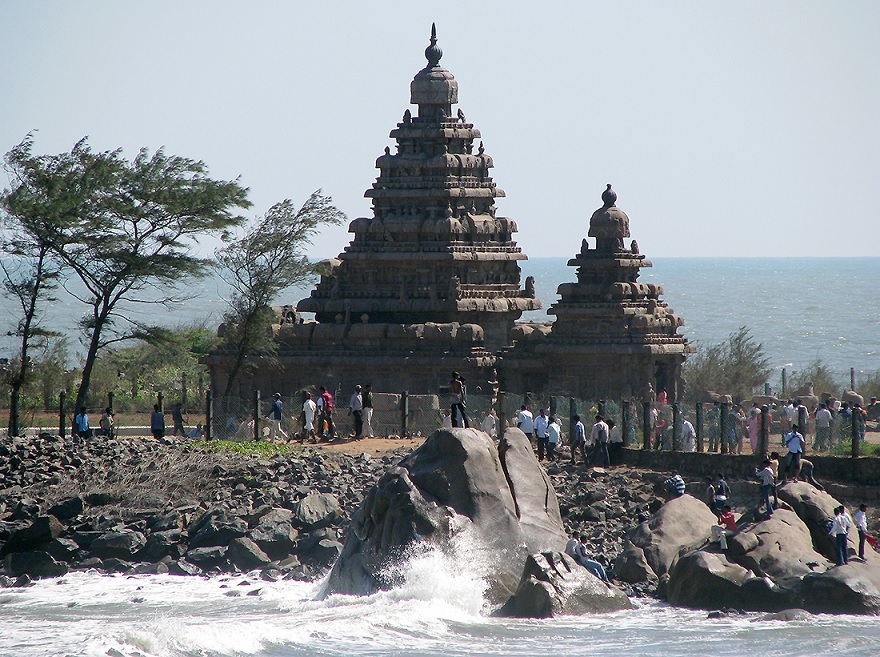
x=404 y=413
x=110 y=401
x=572 y=411
x=698 y=410
x=723 y=420
x=855 y=433
x=183 y=389
x=784 y=381
x=764 y=434
x=62 y=429
x=160 y=399
x=625 y=421
x=601 y=407
x=646 y=425
x=852 y=378
x=676 y=427
x=209 y=414
x=256 y=415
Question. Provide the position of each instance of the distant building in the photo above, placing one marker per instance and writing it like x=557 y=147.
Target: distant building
x=431 y=283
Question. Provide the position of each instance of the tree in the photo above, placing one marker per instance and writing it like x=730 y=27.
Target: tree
x=125 y=229
x=736 y=366
x=819 y=375
x=265 y=260
x=30 y=273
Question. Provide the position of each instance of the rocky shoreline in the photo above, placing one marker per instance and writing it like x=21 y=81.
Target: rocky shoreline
x=137 y=505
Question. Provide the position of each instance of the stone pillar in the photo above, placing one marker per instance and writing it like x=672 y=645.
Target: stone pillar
x=723 y=421
x=209 y=414
x=698 y=409
x=646 y=425
x=676 y=427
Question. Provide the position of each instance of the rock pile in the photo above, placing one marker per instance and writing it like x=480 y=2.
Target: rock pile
x=142 y=506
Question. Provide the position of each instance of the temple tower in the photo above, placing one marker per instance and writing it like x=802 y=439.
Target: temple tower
x=434 y=249
x=612 y=335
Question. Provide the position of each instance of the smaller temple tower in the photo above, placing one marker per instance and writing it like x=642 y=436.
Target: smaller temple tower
x=612 y=335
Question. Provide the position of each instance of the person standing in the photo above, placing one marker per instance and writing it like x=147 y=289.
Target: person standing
x=276 y=414
x=356 y=408
x=754 y=424
x=688 y=436
x=823 y=428
x=541 y=424
x=840 y=530
x=309 y=409
x=457 y=402
x=81 y=424
x=490 y=424
x=578 y=441
x=662 y=397
x=525 y=421
x=862 y=525
x=765 y=474
x=554 y=436
x=157 y=422
x=108 y=425
x=599 y=438
x=368 y=410
x=177 y=418
x=327 y=410
x=795 y=443
x=615 y=442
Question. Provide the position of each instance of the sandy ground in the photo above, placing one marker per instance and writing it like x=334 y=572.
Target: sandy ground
x=373 y=446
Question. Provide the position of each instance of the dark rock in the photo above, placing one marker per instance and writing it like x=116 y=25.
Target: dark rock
x=35 y=564
x=246 y=555
x=207 y=558
x=123 y=544
x=68 y=509
x=62 y=549
x=162 y=544
x=100 y=499
x=42 y=530
x=216 y=527
x=183 y=567
x=114 y=565
x=553 y=584
x=26 y=509
x=316 y=510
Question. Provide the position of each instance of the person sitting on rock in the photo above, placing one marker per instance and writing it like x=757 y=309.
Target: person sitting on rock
x=675 y=485
x=583 y=558
x=726 y=527
x=571 y=548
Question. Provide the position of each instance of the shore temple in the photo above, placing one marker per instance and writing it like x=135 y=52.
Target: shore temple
x=431 y=283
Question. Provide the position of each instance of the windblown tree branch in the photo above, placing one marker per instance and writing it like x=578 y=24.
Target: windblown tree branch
x=265 y=260
x=736 y=366
x=123 y=228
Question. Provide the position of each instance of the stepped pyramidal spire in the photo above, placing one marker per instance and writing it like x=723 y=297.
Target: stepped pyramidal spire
x=434 y=249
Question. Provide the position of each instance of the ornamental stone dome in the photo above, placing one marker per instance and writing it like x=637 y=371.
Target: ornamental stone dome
x=433 y=87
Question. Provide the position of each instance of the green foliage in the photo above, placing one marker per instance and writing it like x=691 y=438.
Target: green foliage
x=736 y=367
x=121 y=227
x=868 y=385
x=135 y=373
x=820 y=375
x=255 y=449
x=845 y=449
x=259 y=264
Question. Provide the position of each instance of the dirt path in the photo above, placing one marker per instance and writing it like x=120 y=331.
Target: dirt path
x=373 y=446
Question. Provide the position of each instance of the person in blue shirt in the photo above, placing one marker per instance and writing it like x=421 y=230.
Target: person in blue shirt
x=81 y=424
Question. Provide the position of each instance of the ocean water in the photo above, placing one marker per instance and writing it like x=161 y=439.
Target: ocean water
x=438 y=610
x=800 y=309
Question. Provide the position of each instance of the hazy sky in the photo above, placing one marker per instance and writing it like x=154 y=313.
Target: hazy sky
x=735 y=129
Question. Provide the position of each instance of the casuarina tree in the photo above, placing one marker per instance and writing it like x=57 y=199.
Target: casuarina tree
x=266 y=259
x=126 y=229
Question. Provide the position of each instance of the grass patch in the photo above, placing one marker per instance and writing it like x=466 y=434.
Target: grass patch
x=845 y=449
x=261 y=449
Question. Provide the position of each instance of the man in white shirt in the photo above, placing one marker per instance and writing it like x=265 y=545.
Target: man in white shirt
x=525 y=421
x=795 y=443
x=823 y=428
x=310 y=408
x=554 y=435
x=490 y=424
x=599 y=438
x=688 y=436
x=541 y=424
x=356 y=408
x=840 y=530
x=862 y=526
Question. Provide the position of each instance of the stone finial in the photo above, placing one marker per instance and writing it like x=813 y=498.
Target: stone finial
x=609 y=196
x=433 y=52
x=407 y=116
x=461 y=117
x=481 y=150
x=634 y=247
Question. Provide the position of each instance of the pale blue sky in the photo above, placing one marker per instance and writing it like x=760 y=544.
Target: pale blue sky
x=735 y=129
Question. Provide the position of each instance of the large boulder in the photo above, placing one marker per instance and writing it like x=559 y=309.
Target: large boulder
x=554 y=584
x=778 y=563
x=682 y=524
x=481 y=505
